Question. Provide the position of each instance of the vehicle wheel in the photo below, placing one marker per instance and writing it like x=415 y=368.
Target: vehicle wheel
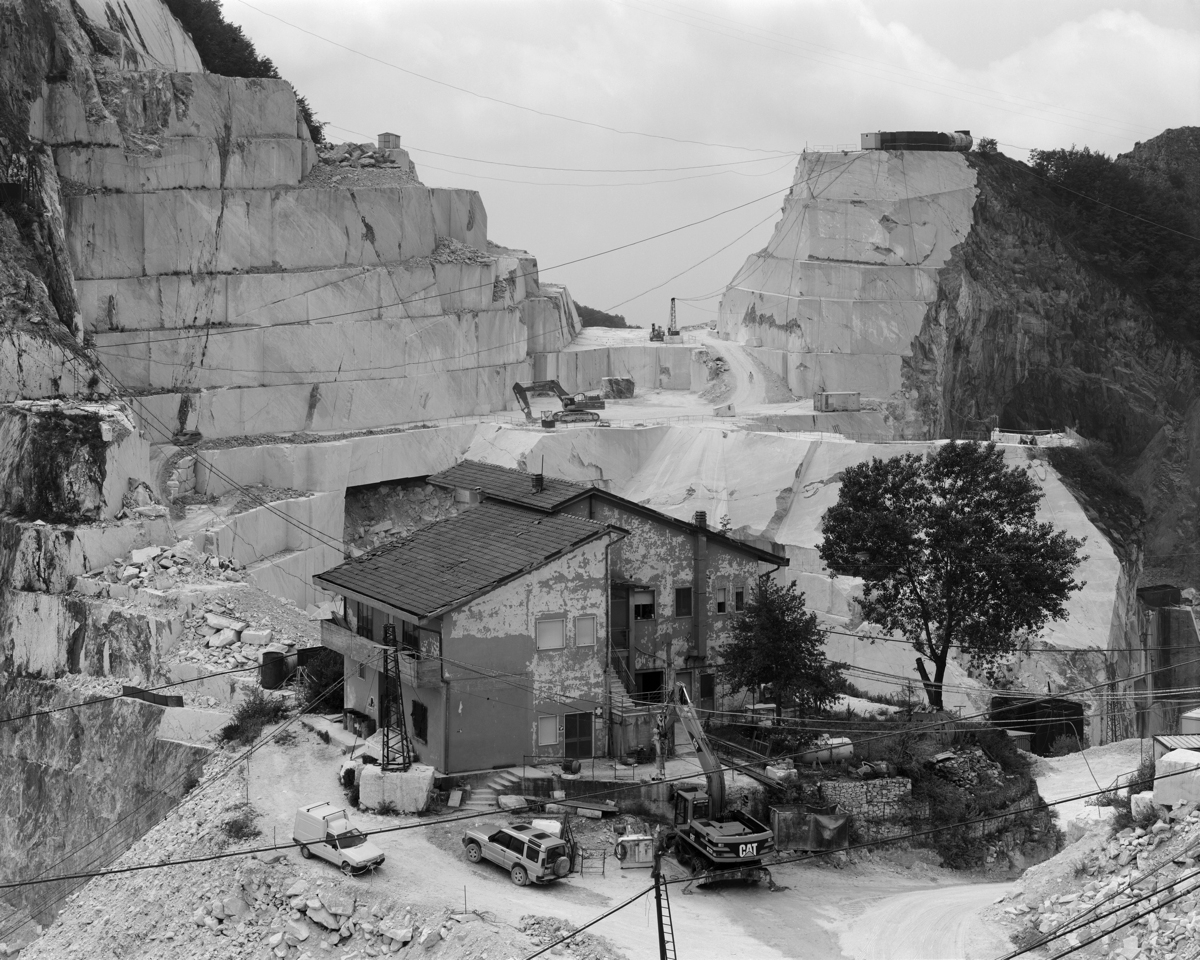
x=562 y=866
x=305 y=852
x=347 y=869
x=474 y=854
x=520 y=876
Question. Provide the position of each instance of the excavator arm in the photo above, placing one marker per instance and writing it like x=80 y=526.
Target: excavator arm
x=713 y=772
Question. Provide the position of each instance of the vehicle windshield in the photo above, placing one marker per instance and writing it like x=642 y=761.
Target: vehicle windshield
x=352 y=839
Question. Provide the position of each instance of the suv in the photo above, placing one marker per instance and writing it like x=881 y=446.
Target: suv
x=528 y=854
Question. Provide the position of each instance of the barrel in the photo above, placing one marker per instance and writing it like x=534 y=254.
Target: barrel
x=272 y=672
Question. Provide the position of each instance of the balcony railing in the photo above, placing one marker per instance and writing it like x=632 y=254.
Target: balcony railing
x=423 y=672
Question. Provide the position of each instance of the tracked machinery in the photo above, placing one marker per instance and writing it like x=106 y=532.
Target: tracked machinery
x=576 y=408
x=714 y=843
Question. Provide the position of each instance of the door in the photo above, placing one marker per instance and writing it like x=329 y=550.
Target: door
x=684 y=678
x=649 y=686
x=577 y=736
x=708 y=692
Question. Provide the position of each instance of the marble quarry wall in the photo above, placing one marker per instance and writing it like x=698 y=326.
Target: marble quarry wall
x=244 y=299
x=839 y=293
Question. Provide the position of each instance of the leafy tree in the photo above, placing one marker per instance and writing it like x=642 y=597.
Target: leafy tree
x=225 y=49
x=950 y=552
x=776 y=641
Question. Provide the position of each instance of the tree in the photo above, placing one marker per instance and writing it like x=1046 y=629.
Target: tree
x=950 y=552
x=776 y=641
x=591 y=317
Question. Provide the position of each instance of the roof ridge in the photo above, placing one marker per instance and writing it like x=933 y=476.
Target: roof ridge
x=519 y=472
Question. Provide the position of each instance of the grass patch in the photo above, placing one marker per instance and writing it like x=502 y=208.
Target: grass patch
x=251 y=715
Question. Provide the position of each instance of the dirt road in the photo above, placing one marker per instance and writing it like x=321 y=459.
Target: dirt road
x=941 y=923
x=825 y=914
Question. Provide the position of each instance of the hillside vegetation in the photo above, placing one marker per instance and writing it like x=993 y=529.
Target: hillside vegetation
x=225 y=49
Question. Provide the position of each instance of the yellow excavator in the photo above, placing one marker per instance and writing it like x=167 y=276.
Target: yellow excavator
x=710 y=841
x=576 y=408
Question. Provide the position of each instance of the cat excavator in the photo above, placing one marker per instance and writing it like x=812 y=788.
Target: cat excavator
x=712 y=842
x=576 y=408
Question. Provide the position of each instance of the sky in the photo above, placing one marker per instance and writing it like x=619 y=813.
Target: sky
x=687 y=118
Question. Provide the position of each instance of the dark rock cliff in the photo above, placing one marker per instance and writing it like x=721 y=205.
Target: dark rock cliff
x=1030 y=330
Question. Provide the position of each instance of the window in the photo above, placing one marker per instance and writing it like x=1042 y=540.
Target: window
x=420 y=719
x=366 y=620
x=362 y=671
x=683 y=601
x=643 y=605
x=585 y=631
x=721 y=593
x=547 y=731
x=739 y=600
x=551 y=634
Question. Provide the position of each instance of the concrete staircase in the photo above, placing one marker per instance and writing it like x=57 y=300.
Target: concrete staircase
x=622 y=703
x=487 y=796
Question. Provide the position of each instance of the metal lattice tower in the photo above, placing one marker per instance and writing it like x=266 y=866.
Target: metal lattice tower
x=397 y=748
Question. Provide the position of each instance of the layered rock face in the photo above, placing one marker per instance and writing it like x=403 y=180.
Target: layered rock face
x=249 y=300
x=840 y=292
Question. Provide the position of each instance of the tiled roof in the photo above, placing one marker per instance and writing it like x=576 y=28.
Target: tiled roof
x=509 y=485
x=448 y=563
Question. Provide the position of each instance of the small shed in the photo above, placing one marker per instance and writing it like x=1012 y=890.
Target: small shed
x=1165 y=744
x=843 y=402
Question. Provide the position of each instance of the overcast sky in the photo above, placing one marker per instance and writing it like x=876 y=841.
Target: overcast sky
x=752 y=84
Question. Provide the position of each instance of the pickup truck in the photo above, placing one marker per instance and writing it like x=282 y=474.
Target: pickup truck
x=528 y=854
x=325 y=831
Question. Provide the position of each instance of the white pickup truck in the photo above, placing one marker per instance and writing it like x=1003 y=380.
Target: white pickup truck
x=325 y=831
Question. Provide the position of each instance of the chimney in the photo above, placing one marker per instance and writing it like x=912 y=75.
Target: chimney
x=700 y=519
x=539 y=482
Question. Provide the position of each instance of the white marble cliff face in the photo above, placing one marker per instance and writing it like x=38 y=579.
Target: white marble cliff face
x=846 y=279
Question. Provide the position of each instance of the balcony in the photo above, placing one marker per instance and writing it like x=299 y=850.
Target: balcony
x=415 y=671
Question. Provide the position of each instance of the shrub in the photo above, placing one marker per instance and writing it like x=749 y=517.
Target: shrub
x=1067 y=744
x=242 y=826
x=251 y=715
x=354 y=795
x=387 y=809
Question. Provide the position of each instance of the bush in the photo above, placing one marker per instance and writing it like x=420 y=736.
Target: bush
x=251 y=715
x=242 y=826
x=1066 y=744
x=322 y=683
x=387 y=809
x=354 y=795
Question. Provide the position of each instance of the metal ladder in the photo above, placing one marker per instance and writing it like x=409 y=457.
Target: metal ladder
x=666 y=929
x=397 y=748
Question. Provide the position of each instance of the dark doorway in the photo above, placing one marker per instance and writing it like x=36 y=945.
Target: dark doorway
x=708 y=691
x=577 y=735
x=649 y=686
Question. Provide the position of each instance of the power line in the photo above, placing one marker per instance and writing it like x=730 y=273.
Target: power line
x=509 y=103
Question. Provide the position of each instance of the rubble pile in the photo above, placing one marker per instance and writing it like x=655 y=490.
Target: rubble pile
x=234 y=630
x=360 y=164
x=157 y=568
x=1132 y=872
x=393 y=511
x=970 y=768
x=544 y=930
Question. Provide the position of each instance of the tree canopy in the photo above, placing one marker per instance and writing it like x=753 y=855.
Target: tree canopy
x=776 y=641
x=950 y=552
x=591 y=317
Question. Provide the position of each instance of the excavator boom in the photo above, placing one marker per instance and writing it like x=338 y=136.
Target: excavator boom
x=704 y=752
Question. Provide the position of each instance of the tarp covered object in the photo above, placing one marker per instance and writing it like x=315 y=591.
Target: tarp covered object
x=798 y=827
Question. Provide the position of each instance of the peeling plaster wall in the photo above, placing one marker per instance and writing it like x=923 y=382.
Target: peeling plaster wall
x=495 y=721
x=663 y=557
